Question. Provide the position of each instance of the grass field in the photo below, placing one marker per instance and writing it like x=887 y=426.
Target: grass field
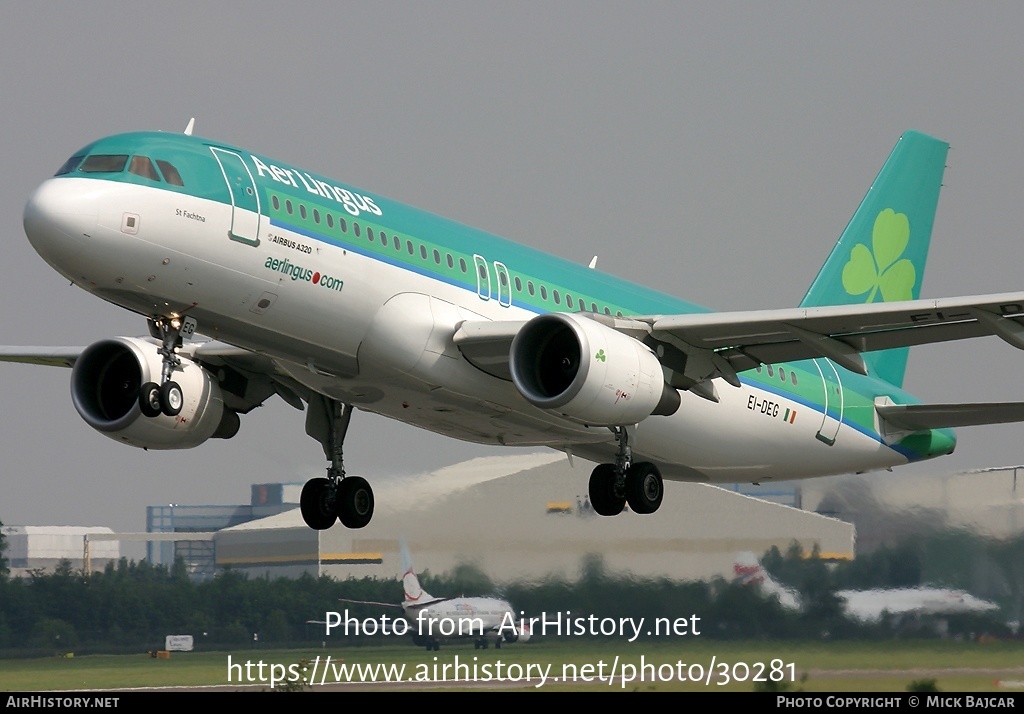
x=816 y=667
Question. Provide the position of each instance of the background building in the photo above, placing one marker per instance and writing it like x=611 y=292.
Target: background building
x=43 y=547
x=526 y=517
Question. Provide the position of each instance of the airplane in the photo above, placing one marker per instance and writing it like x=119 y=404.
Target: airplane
x=257 y=278
x=432 y=620
x=868 y=605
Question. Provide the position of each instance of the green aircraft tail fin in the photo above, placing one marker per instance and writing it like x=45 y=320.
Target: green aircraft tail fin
x=880 y=257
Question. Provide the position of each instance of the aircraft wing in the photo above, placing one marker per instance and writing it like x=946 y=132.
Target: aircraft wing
x=370 y=602
x=486 y=344
x=839 y=332
x=213 y=352
x=263 y=379
x=702 y=346
x=46 y=356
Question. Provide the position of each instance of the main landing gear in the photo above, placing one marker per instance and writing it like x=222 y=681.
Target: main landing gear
x=166 y=397
x=348 y=499
x=612 y=486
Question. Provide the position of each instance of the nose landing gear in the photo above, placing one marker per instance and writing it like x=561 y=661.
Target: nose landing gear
x=166 y=397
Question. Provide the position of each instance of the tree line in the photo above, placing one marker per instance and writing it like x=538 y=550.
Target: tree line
x=132 y=606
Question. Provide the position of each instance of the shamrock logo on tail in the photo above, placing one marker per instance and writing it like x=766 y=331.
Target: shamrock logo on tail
x=881 y=268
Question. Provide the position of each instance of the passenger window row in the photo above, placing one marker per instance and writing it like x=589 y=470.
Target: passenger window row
x=426 y=254
x=783 y=375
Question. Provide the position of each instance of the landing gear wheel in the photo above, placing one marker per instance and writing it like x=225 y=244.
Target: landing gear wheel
x=149 y=399
x=171 y=399
x=644 y=487
x=316 y=505
x=355 y=502
x=602 y=491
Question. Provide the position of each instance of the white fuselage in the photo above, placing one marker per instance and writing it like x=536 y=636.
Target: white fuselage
x=460 y=617
x=379 y=336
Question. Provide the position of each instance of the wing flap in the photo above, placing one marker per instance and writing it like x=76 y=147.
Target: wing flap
x=838 y=332
x=719 y=330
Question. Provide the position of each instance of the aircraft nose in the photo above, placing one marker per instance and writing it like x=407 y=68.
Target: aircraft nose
x=59 y=214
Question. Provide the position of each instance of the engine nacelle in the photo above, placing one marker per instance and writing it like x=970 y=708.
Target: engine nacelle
x=522 y=633
x=105 y=390
x=588 y=372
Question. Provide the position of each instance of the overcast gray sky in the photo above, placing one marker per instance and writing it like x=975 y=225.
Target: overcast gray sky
x=710 y=150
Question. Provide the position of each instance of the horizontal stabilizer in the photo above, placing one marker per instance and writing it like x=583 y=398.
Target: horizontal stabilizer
x=920 y=417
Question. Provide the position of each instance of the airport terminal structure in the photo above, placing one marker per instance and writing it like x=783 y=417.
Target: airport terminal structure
x=42 y=548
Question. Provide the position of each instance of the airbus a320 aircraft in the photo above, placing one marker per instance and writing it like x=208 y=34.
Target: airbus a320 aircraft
x=335 y=298
x=432 y=620
x=867 y=605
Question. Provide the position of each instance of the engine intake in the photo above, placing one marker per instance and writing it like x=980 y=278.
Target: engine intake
x=105 y=386
x=588 y=371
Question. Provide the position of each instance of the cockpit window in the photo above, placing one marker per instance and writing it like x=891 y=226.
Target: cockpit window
x=170 y=173
x=142 y=166
x=70 y=165
x=104 y=164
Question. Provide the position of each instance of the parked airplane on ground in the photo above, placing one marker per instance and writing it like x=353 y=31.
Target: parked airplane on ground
x=433 y=620
x=335 y=298
x=868 y=605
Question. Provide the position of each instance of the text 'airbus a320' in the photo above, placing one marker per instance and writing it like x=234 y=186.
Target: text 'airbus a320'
x=335 y=298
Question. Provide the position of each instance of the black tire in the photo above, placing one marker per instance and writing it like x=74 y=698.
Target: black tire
x=602 y=491
x=171 y=399
x=355 y=502
x=316 y=506
x=149 y=399
x=644 y=487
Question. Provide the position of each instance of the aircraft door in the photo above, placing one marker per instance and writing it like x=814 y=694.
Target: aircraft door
x=832 y=389
x=504 y=284
x=483 y=277
x=245 y=200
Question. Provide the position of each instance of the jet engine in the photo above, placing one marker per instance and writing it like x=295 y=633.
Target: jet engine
x=589 y=372
x=105 y=386
x=520 y=634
